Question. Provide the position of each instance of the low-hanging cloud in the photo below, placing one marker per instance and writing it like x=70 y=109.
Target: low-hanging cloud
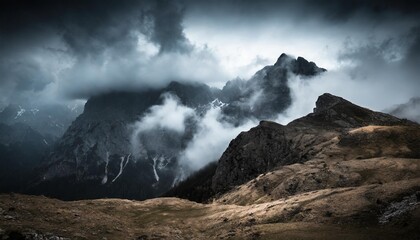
x=159 y=124
x=170 y=115
x=174 y=132
x=212 y=138
x=409 y=110
x=376 y=75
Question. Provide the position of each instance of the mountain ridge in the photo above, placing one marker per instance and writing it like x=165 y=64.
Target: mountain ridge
x=93 y=149
x=328 y=132
x=270 y=145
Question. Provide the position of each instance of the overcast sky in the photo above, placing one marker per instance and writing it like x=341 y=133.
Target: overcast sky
x=64 y=50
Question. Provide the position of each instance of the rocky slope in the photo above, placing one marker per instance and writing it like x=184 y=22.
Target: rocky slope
x=96 y=157
x=342 y=172
x=325 y=133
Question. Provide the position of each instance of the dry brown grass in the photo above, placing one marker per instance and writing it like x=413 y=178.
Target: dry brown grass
x=339 y=194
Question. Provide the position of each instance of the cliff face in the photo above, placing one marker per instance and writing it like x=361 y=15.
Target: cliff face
x=319 y=135
x=95 y=156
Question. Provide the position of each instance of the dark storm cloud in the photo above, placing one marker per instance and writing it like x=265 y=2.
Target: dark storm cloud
x=326 y=9
x=413 y=53
x=84 y=47
x=168 y=31
x=93 y=25
x=34 y=34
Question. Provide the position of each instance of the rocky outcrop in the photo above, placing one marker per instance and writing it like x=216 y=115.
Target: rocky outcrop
x=251 y=153
x=325 y=133
x=335 y=112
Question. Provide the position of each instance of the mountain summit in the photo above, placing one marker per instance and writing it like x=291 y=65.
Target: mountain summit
x=334 y=111
x=267 y=92
x=299 y=66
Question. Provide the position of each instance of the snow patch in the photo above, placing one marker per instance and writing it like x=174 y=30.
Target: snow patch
x=122 y=166
x=162 y=163
x=155 y=159
x=34 y=111
x=20 y=112
x=217 y=103
x=105 y=179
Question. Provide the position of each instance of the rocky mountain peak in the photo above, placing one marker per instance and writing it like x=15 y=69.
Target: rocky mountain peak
x=267 y=93
x=284 y=58
x=304 y=67
x=299 y=66
x=327 y=101
x=335 y=112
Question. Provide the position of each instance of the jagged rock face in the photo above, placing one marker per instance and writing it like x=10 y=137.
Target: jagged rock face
x=336 y=112
x=267 y=93
x=95 y=154
x=321 y=134
x=235 y=165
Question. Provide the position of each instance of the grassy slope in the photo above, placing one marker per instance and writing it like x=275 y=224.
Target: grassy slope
x=338 y=195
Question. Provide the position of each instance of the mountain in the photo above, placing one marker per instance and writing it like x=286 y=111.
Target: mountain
x=267 y=93
x=103 y=155
x=27 y=134
x=409 y=110
x=95 y=154
x=22 y=149
x=341 y=172
x=51 y=120
x=337 y=129
x=317 y=135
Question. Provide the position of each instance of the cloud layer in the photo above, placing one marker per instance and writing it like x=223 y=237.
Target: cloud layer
x=191 y=137
x=82 y=48
x=54 y=50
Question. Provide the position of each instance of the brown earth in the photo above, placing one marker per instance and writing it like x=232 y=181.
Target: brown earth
x=345 y=213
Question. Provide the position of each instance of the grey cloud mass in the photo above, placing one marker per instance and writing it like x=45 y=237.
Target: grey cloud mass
x=57 y=50
x=53 y=42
